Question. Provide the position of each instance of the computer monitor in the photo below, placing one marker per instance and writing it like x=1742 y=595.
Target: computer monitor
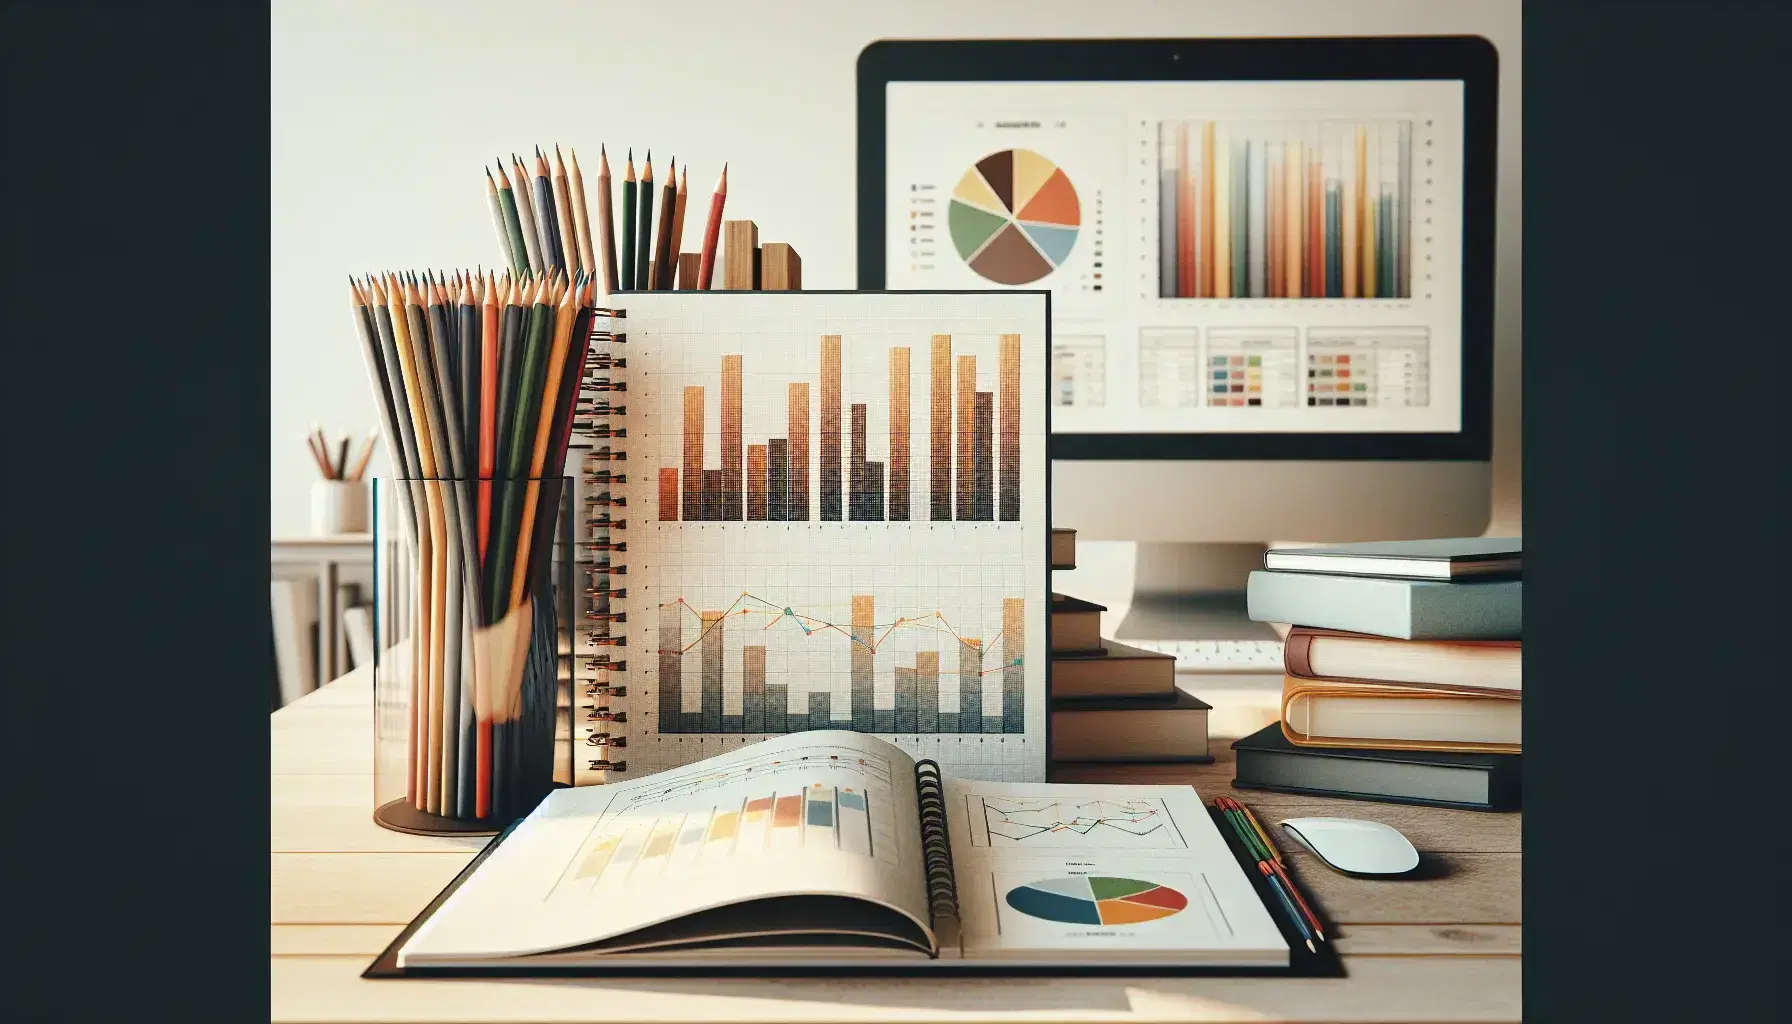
x=1271 y=266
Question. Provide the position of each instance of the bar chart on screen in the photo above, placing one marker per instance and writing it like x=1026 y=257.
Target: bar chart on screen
x=1285 y=209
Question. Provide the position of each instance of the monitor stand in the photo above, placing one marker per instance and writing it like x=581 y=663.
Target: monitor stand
x=1193 y=592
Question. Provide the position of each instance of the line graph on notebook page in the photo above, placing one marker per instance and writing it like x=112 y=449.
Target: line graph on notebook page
x=1133 y=824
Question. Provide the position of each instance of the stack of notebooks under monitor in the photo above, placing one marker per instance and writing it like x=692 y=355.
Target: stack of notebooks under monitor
x=1403 y=672
x=1112 y=702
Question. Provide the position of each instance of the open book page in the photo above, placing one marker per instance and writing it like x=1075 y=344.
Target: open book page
x=1079 y=872
x=816 y=814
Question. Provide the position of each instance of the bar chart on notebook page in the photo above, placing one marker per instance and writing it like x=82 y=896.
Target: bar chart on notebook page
x=845 y=513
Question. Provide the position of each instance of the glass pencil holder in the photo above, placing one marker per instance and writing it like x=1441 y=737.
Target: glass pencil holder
x=472 y=634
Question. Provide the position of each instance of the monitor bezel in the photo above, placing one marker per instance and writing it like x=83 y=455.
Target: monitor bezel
x=1472 y=60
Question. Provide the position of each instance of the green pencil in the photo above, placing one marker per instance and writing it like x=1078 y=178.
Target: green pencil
x=513 y=226
x=644 y=226
x=628 y=223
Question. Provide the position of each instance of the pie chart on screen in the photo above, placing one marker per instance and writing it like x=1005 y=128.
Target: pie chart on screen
x=1014 y=217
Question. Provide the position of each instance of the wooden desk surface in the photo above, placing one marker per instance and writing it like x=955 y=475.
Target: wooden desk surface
x=1446 y=949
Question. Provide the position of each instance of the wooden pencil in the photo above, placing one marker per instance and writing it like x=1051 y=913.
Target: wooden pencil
x=527 y=196
x=366 y=455
x=712 y=232
x=429 y=532
x=644 y=224
x=569 y=236
x=434 y=462
x=671 y=273
x=466 y=359
x=341 y=461
x=662 y=243
x=500 y=223
x=581 y=214
x=606 y=222
x=549 y=216
x=317 y=455
x=560 y=340
x=525 y=218
x=489 y=316
x=628 y=223
x=449 y=437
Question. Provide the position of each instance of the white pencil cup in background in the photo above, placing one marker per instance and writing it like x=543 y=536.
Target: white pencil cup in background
x=338 y=506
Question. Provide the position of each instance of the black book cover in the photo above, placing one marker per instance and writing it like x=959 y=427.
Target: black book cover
x=1503 y=771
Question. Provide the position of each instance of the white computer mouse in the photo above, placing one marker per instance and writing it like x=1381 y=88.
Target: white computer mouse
x=1355 y=846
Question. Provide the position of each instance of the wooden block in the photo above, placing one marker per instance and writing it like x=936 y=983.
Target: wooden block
x=688 y=265
x=740 y=255
x=781 y=269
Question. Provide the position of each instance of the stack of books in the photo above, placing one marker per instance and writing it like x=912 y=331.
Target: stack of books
x=1404 y=672
x=1111 y=702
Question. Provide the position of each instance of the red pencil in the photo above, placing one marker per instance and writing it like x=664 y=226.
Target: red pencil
x=712 y=232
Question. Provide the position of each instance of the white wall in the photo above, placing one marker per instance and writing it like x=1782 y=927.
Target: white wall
x=385 y=110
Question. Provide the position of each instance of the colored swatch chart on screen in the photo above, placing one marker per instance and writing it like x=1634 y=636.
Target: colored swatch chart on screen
x=692 y=657
x=1079 y=370
x=1097 y=900
x=1379 y=367
x=1014 y=217
x=1253 y=367
x=973 y=446
x=1285 y=209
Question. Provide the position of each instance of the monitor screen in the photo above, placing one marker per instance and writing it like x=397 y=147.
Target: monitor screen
x=1249 y=257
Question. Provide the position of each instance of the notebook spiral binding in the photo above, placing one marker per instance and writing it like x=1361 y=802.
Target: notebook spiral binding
x=936 y=843
x=599 y=706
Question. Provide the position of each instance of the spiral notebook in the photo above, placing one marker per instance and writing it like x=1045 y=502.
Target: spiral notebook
x=836 y=850
x=811 y=510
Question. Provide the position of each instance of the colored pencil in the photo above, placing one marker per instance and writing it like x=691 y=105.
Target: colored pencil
x=500 y=222
x=488 y=401
x=678 y=227
x=628 y=223
x=662 y=243
x=466 y=360
x=606 y=221
x=317 y=455
x=366 y=455
x=525 y=219
x=712 y=232
x=1268 y=856
x=552 y=246
x=569 y=235
x=581 y=214
x=644 y=224
x=530 y=198
x=1300 y=921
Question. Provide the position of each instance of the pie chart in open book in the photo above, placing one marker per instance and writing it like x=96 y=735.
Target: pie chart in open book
x=1014 y=217
x=1097 y=900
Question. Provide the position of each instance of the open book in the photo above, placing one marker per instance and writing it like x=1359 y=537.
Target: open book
x=836 y=848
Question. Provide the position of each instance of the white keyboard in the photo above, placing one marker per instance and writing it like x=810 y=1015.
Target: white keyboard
x=1218 y=655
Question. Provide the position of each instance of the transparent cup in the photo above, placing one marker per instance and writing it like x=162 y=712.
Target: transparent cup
x=472 y=626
